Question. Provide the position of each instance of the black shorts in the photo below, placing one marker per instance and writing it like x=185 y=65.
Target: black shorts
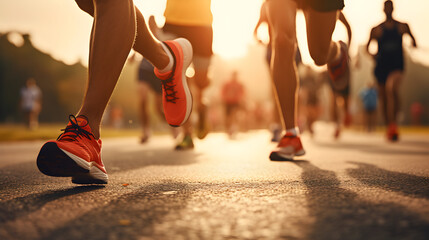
x=384 y=68
x=147 y=75
x=201 y=37
x=321 y=5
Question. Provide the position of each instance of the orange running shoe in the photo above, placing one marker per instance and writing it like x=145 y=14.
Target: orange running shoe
x=288 y=147
x=339 y=71
x=75 y=153
x=392 y=132
x=177 y=98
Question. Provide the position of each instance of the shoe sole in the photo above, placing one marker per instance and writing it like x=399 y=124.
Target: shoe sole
x=52 y=161
x=182 y=148
x=55 y=162
x=95 y=176
x=393 y=138
x=187 y=59
x=276 y=156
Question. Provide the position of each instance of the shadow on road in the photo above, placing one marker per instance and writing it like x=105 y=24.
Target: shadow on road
x=17 y=207
x=118 y=161
x=27 y=174
x=378 y=149
x=25 y=177
x=414 y=186
x=341 y=214
x=130 y=216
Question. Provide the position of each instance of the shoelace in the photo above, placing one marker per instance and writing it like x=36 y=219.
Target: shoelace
x=74 y=130
x=170 y=93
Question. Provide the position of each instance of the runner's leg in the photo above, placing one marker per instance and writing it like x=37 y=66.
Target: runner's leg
x=392 y=95
x=143 y=92
x=281 y=17
x=111 y=41
x=320 y=26
x=145 y=43
x=335 y=114
x=201 y=82
x=347 y=115
x=383 y=102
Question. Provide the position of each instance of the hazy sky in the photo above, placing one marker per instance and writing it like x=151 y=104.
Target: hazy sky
x=60 y=28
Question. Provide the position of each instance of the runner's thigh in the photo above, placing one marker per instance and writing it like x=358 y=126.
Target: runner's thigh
x=320 y=26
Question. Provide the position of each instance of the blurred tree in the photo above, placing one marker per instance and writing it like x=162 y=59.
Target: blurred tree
x=62 y=85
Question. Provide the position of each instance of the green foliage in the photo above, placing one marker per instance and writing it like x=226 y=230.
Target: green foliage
x=62 y=85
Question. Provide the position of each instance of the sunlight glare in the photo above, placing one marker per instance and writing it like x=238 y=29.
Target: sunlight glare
x=233 y=24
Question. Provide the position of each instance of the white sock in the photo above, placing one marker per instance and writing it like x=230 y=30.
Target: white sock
x=294 y=131
x=169 y=66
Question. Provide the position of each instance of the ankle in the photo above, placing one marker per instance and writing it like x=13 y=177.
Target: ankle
x=169 y=66
x=94 y=125
x=294 y=131
x=95 y=131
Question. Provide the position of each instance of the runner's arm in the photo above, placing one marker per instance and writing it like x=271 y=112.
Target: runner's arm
x=371 y=37
x=347 y=25
x=408 y=31
x=262 y=18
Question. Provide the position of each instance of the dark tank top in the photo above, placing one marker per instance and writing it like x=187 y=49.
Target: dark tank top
x=390 y=52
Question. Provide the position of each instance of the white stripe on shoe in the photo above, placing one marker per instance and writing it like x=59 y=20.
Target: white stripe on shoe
x=80 y=161
x=187 y=59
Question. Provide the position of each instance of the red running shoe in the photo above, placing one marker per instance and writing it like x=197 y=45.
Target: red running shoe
x=74 y=154
x=288 y=147
x=392 y=132
x=339 y=71
x=177 y=98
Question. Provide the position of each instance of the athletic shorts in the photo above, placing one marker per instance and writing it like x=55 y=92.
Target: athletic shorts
x=201 y=37
x=321 y=5
x=384 y=68
x=147 y=75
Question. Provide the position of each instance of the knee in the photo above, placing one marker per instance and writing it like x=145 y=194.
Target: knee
x=319 y=57
x=320 y=52
x=390 y=86
x=319 y=61
x=284 y=43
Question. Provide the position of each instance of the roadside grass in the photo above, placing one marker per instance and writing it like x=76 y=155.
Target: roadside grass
x=15 y=132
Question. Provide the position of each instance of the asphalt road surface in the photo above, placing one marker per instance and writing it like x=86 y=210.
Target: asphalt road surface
x=359 y=187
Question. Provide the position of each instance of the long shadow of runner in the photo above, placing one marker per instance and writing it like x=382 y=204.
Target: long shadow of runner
x=340 y=214
x=26 y=174
x=377 y=149
x=144 y=158
x=15 y=177
x=131 y=216
x=414 y=186
x=17 y=207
